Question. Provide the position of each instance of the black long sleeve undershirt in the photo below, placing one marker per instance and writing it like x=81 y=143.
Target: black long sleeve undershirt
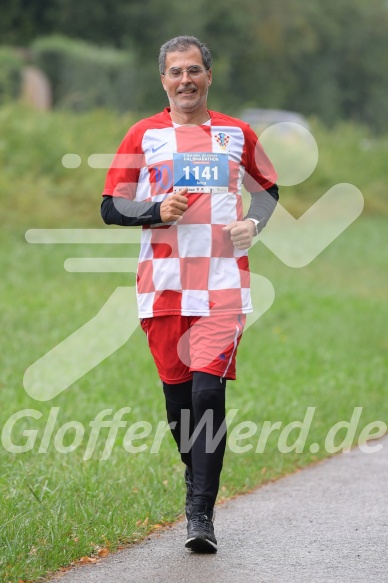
x=130 y=213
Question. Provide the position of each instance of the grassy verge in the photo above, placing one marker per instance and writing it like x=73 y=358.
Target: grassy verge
x=322 y=344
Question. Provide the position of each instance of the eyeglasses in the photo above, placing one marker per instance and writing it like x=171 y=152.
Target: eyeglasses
x=176 y=73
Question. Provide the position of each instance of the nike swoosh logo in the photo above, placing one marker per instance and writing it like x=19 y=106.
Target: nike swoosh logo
x=153 y=149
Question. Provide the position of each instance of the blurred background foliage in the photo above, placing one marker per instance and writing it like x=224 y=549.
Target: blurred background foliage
x=11 y=65
x=84 y=76
x=327 y=59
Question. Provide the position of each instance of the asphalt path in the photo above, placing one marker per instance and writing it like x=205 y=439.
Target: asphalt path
x=326 y=523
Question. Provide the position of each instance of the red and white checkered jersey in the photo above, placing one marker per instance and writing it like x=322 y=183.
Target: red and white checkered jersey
x=191 y=266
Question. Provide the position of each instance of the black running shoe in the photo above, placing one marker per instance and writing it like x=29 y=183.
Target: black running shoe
x=200 y=533
x=189 y=491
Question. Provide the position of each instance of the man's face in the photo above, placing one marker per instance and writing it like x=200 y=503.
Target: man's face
x=185 y=94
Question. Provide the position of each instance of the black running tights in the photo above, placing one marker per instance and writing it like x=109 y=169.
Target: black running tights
x=186 y=405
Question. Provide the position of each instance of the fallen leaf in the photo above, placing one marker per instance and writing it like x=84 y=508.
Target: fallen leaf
x=87 y=560
x=103 y=552
x=145 y=522
x=138 y=522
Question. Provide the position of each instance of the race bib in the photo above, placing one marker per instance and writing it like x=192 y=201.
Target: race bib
x=201 y=172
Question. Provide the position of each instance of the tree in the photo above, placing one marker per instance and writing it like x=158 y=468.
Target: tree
x=324 y=58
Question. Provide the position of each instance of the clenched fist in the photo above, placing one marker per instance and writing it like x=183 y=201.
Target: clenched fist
x=241 y=233
x=174 y=206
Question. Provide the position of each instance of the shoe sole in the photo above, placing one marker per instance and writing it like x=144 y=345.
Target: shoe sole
x=201 y=545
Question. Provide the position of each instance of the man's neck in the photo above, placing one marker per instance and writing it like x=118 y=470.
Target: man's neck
x=193 y=118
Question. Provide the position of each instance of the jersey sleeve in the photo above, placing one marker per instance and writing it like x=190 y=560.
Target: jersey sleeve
x=259 y=172
x=123 y=175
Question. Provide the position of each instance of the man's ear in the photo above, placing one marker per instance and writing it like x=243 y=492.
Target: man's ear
x=162 y=80
x=210 y=77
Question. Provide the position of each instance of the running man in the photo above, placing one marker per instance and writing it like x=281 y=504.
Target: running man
x=179 y=175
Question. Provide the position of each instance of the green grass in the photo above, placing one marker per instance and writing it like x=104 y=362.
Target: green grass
x=322 y=344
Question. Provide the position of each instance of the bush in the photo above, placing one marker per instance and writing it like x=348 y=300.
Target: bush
x=11 y=65
x=84 y=76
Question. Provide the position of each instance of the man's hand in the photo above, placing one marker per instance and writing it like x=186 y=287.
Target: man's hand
x=241 y=233
x=174 y=206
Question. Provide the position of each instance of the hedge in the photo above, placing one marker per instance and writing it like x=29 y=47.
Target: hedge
x=11 y=65
x=84 y=76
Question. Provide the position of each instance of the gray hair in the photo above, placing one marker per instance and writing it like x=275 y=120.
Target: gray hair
x=183 y=43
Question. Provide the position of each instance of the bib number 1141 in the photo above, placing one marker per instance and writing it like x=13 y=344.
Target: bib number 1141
x=201 y=171
x=206 y=173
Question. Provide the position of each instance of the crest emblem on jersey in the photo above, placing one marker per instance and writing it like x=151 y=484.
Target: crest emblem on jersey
x=222 y=140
